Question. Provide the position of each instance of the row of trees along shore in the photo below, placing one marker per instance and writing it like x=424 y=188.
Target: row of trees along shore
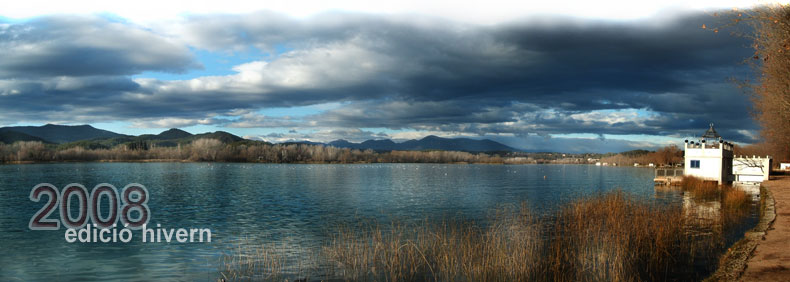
x=212 y=150
x=669 y=155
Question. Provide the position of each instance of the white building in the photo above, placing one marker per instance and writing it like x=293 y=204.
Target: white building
x=710 y=158
x=784 y=166
x=751 y=169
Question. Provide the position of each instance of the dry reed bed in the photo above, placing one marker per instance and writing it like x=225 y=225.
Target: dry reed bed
x=607 y=237
x=732 y=199
x=266 y=262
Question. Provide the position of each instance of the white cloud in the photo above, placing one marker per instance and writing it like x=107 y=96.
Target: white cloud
x=170 y=122
x=610 y=117
x=750 y=133
x=325 y=67
x=408 y=135
x=324 y=135
x=254 y=120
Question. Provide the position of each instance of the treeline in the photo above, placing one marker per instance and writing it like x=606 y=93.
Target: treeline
x=669 y=155
x=212 y=150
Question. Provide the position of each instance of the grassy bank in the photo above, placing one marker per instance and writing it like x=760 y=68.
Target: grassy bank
x=607 y=237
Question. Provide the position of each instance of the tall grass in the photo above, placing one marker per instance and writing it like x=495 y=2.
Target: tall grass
x=266 y=262
x=616 y=237
x=607 y=237
x=730 y=198
x=702 y=189
x=261 y=262
x=734 y=199
x=449 y=250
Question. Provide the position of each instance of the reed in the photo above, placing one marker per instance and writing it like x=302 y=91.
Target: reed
x=734 y=199
x=730 y=197
x=261 y=263
x=265 y=262
x=454 y=250
x=615 y=237
x=701 y=188
x=606 y=237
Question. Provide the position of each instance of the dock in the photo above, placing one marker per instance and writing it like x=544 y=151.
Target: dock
x=668 y=175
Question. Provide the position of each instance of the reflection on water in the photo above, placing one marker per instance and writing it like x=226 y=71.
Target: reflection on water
x=716 y=226
x=708 y=211
x=705 y=212
x=752 y=189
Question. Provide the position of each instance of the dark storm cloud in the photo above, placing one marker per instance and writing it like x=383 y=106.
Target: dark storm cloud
x=582 y=62
x=554 y=76
x=402 y=114
x=465 y=77
x=83 y=46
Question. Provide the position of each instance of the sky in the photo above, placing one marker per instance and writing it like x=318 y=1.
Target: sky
x=567 y=76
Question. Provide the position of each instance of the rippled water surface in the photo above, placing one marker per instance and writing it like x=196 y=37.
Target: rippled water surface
x=291 y=205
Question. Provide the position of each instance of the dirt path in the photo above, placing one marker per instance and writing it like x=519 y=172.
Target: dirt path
x=771 y=259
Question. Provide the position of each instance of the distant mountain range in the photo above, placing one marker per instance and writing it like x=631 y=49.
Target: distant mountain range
x=90 y=137
x=60 y=133
x=9 y=137
x=428 y=143
x=93 y=138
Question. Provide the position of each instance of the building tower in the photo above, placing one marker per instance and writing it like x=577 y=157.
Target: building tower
x=710 y=158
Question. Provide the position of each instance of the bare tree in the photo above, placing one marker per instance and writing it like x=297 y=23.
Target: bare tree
x=772 y=94
x=769 y=30
x=205 y=149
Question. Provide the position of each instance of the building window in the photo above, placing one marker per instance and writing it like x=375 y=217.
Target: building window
x=694 y=163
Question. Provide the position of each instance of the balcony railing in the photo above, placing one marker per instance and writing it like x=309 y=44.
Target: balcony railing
x=669 y=172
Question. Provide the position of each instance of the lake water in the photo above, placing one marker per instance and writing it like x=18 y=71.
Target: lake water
x=287 y=204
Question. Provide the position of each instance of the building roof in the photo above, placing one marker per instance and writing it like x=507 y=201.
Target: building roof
x=711 y=133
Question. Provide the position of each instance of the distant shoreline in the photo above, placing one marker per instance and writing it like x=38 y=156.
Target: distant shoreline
x=299 y=163
x=504 y=162
x=214 y=150
x=230 y=162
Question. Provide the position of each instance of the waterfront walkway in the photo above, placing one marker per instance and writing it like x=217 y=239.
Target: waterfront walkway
x=771 y=258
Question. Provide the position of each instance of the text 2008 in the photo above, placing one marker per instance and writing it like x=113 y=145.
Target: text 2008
x=133 y=197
